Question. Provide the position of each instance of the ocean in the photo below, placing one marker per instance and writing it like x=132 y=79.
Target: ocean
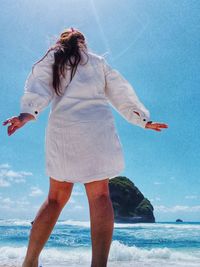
x=133 y=245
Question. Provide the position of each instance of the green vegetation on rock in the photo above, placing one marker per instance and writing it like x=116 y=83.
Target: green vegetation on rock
x=129 y=203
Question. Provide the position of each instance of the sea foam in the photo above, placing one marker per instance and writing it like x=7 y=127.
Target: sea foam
x=186 y=226
x=119 y=254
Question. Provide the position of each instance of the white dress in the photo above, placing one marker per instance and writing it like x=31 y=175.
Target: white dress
x=81 y=140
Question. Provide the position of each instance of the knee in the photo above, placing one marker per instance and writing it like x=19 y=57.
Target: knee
x=98 y=191
x=58 y=199
x=59 y=193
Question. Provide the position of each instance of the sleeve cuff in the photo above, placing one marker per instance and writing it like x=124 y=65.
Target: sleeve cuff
x=31 y=110
x=139 y=117
x=33 y=103
x=143 y=122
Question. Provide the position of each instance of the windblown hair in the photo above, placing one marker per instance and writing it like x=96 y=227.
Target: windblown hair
x=67 y=55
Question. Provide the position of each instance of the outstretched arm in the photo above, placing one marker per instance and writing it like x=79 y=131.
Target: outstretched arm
x=123 y=98
x=38 y=93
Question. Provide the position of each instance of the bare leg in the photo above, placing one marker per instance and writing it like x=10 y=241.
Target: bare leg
x=102 y=221
x=59 y=194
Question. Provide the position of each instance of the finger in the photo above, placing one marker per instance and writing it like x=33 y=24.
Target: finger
x=15 y=129
x=157 y=125
x=9 y=130
x=163 y=125
x=11 y=120
x=6 y=122
x=11 y=127
x=154 y=128
x=12 y=130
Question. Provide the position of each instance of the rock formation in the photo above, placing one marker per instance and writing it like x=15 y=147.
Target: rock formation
x=179 y=220
x=129 y=204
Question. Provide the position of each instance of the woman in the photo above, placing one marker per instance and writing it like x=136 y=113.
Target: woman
x=81 y=141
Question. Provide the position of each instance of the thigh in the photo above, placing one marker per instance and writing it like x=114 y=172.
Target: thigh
x=97 y=188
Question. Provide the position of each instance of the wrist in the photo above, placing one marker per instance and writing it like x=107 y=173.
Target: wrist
x=26 y=117
x=148 y=123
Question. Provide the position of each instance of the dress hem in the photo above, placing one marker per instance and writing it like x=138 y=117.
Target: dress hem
x=88 y=179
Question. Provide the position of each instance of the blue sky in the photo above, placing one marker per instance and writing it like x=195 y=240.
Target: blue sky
x=155 y=45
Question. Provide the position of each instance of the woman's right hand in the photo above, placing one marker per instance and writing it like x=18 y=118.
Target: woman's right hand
x=17 y=122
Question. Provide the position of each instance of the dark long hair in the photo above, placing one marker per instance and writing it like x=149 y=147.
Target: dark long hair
x=67 y=55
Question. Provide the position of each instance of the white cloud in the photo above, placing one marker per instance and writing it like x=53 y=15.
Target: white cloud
x=13 y=205
x=22 y=204
x=7 y=201
x=155 y=199
x=78 y=207
x=71 y=200
x=4 y=183
x=177 y=208
x=77 y=193
x=158 y=183
x=4 y=166
x=35 y=192
x=36 y=207
x=9 y=176
x=191 y=197
x=11 y=173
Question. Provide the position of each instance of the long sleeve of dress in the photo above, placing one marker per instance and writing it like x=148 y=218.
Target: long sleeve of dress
x=123 y=97
x=38 y=90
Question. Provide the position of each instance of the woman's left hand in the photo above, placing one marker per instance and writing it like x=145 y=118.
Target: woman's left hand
x=157 y=126
x=17 y=122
